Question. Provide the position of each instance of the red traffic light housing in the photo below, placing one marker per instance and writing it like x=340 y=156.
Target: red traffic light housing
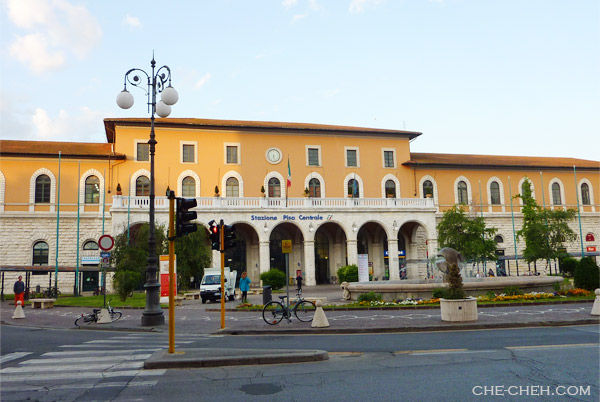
x=184 y=217
x=215 y=235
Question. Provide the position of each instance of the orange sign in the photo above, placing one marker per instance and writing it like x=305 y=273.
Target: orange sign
x=286 y=246
x=591 y=249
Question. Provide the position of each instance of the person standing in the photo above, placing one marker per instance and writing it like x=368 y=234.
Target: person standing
x=245 y=286
x=19 y=291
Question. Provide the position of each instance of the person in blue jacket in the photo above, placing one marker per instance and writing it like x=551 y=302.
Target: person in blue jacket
x=245 y=286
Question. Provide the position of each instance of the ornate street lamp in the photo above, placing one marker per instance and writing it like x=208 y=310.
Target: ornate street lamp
x=155 y=83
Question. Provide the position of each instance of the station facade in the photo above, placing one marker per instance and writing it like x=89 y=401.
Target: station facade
x=337 y=192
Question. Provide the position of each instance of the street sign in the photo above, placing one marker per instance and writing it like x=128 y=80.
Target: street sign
x=105 y=258
x=286 y=246
x=106 y=242
x=591 y=249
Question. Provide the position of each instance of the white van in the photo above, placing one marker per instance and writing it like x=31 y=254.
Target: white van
x=210 y=287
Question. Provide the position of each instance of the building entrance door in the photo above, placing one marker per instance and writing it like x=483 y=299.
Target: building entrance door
x=90 y=281
x=321 y=258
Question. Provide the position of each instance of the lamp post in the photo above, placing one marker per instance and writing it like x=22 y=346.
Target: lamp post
x=156 y=82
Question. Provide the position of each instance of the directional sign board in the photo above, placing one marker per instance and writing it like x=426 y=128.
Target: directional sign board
x=105 y=258
x=106 y=242
x=286 y=246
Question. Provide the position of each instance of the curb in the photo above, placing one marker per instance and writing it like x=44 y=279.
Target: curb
x=429 y=328
x=204 y=357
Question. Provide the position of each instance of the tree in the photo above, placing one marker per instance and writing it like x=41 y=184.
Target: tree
x=544 y=231
x=469 y=235
x=193 y=255
x=130 y=257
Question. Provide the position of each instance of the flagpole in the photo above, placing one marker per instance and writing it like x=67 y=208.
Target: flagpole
x=57 y=227
x=76 y=291
x=512 y=215
x=578 y=212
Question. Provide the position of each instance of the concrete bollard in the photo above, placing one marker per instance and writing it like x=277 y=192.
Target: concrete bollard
x=19 y=313
x=596 y=306
x=104 y=317
x=319 y=320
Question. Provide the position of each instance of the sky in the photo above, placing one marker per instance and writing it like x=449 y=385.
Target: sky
x=474 y=76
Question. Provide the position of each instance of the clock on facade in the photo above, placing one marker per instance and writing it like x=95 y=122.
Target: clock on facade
x=273 y=155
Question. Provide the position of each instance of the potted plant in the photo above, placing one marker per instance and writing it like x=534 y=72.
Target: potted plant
x=216 y=191
x=306 y=192
x=119 y=192
x=455 y=306
x=262 y=190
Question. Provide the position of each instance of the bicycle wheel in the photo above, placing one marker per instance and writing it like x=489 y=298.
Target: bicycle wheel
x=305 y=311
x=273 y=312
x=84 y=319
x=115 y=315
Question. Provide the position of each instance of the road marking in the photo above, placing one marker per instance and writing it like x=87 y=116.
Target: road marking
x=22 y=377
x=428 y=351
x=345 y=353
x=73 y=368
x=87 y=359
x=13 y=356
x=21 y=388
x=567 y=345
x=99 y=352
x=159 y=345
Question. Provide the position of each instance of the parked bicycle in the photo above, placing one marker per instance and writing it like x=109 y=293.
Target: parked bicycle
x=51 y=293
x=93 y=316
x=275 y=311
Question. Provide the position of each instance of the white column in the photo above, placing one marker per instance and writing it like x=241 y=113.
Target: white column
x=393 y=259
x=352 y=248
x=309 y=263
x=264 y=257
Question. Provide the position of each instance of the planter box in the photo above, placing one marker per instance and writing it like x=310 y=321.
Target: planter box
x=459 y=309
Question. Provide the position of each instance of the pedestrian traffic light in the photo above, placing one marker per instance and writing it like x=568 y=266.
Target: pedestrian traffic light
x=184 y=217
x=228 y=236
x=215 y=236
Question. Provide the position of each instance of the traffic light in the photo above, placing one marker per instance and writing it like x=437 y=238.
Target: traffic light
x=183 y=224
x=228 y=236
x=215 y=236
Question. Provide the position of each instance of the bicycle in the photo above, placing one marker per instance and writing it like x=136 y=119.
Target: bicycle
x=52 y=293
x=93 y=316
x=275 y=311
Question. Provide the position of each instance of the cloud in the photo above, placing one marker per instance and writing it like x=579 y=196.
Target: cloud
x=289 y=3
x=53 y=29
x=81 y=125
x=298 y=17
x=358 y=6
x=313 y=5
x=203 y=80
x=330 y=93
x=132 y=22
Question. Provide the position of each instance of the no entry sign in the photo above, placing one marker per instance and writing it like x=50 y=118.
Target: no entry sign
x=106 y=242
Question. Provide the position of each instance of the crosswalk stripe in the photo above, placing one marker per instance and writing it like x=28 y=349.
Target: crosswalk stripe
x=87 y=345
x=13 y=356
x=99 y=352
x=22 y=388
x=73 y=367
x=87 y=359
x=121 y=341
x=23 y=377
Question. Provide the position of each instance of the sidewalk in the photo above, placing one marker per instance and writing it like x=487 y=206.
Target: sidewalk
x=193 y=318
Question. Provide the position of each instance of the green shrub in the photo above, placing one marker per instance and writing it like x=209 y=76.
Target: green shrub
x=274 y=278
x=370 y=297
x=567 y=266
x=348 y=273
x=125 y=282
x=556 y=286
x=587 y=274
x=490 y=294
x=440 y=293
x=455 y=284
x=512 y=291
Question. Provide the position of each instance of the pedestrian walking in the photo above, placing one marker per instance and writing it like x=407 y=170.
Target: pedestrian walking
x=19 y=291
x=245 y=286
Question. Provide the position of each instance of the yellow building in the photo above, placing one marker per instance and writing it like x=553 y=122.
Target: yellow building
x=353 y=191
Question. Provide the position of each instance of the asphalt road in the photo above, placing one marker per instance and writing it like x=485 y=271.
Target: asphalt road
x=457 y=365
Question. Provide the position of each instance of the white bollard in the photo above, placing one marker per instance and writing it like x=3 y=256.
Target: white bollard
x=19 y=313
x=596 y=306
x=104 y=317
x=319 y=320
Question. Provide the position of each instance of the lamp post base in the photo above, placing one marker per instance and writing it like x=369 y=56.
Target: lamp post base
x=153 y=319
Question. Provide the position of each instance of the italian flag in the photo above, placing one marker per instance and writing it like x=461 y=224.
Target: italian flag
x=289 y=177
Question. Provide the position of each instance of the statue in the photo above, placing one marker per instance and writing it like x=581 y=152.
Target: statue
x=345 y=291
x=446 y=257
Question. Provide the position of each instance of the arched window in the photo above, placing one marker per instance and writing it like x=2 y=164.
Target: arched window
x=142 y=186
x=495 y=193
x=498 y=239
x=390 y=189
x=92 y=190
x=40 y=253
x=556 y=194
x=585 y=194
x=188 y=187
x=274 y=187
x=353 y=188
x=463 y=197
x=427 y=189
x=42 y=189
x=232 y=187
x=90 y=245
x=314 y=188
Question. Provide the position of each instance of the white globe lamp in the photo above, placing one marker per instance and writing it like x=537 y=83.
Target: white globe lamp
x=125 y=99
x=162 y=109
x=169 y=96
